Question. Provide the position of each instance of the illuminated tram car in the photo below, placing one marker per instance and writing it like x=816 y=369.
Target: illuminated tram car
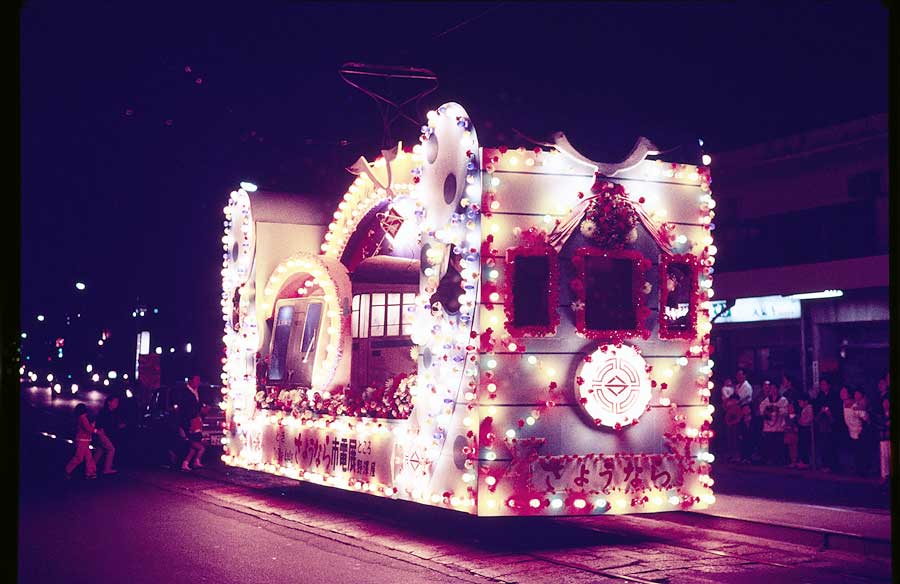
x=496 y=331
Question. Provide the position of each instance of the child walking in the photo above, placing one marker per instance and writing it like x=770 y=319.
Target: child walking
x=83 y=434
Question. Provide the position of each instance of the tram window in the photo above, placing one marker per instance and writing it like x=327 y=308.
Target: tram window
x=678 y=316
x=382 y=314
x=406 y=313
x=609 y=293
x=359 y=317
x=376 y=329
x=354 y=317
x=529 y=290
x=678 y=297
x=280 y=340
x=531 y=305
x=393 y=317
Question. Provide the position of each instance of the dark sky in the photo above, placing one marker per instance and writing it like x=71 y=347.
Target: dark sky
x=127 y=158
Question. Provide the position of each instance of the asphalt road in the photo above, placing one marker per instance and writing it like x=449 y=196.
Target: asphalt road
x=223 y=525
x=121 y=530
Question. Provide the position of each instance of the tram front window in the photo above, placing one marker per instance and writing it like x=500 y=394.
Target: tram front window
x=280 y=342
x=309 y=343
x=295 y=342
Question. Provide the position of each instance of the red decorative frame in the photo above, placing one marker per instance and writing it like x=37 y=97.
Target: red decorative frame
x=693 y=263
x=532 y=249
x=641 y=265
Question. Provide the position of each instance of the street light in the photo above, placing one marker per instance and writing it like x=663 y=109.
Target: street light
x=80 y=285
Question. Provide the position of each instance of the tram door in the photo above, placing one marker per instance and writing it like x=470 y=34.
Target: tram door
x=295 y=341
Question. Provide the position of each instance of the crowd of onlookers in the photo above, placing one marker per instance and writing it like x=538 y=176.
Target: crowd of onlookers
x=838 y=428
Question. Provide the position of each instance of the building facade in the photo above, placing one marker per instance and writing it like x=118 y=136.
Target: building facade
x=797 y=217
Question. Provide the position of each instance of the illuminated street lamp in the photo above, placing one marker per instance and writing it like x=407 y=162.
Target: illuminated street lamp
x=80 y=285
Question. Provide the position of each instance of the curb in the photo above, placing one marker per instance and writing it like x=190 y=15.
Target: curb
x=809 y=536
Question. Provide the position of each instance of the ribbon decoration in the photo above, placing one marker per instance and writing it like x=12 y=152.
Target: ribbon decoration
x=363 y=166
x=564 y=229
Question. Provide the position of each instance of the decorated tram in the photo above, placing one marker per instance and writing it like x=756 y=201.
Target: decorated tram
x=499 y=331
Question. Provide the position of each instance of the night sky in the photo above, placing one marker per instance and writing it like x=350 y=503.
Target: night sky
x=138 y=120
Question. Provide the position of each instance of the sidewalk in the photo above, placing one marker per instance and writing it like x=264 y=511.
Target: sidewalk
x=857 y=522
x=858 y=530
x=781 y=484
x=816 y=475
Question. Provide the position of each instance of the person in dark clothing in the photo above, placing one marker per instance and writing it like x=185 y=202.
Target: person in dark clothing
x=805 y=419
x=747 y=434
x=108 y=428
x=190 y=410
x=829 y=424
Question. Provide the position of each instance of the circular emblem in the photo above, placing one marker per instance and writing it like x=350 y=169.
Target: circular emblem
x=613 y=386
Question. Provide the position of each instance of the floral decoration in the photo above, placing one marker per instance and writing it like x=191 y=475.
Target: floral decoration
x=393 y=400
x=610 y=220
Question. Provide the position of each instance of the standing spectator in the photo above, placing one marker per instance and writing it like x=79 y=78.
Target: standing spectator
x=804 y=431
x=744 y=390
x=190 y=412
x=857 y=418
x=747 y=434
x=876 y=413
x=109 y=423
x=791 y=434
x=733 y=417
x=773 y=410
x=788 y=389
x=83 y=434
x=727 y=390
x=884 y=435
x=842 y=434
x=829 y=417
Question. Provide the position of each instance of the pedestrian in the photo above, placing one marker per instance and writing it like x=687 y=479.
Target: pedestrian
x=884 y=436
x=83 y=434
x=804 y=431
x=856 y=416
x=747 y=434
x=733 y=417
x=792 y=435
x=876 y=413
x=788 y=389
x=829 y=419
x=842 y=433
x=190 y=415
x=109 y=423
x=773 y=410
x=744 y=390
